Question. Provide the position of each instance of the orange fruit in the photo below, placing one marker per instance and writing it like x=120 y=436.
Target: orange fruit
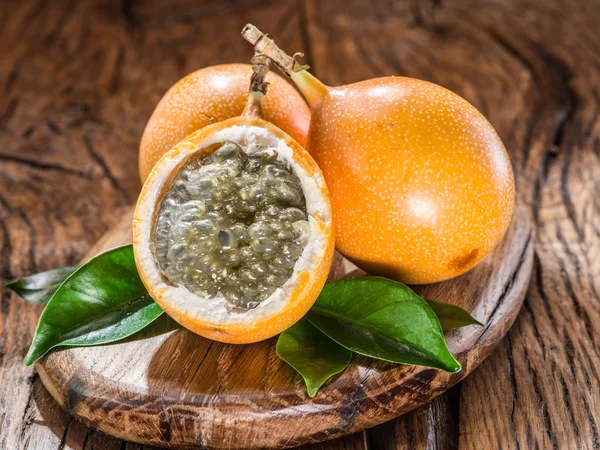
x=211 y=95
x=232 y=232
x=421 y=185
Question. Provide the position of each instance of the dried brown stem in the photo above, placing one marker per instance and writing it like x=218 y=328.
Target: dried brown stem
x=265 y=46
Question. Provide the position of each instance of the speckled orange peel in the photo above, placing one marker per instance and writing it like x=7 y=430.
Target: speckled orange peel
x=210 y=317
x=211 y=95
x=421 y=185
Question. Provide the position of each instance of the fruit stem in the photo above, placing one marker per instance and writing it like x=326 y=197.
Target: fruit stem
x=258 y=86
x=312 y=89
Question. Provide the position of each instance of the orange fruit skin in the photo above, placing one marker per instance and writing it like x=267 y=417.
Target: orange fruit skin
x=421 y=185
x=310 y=282
x=211 y=95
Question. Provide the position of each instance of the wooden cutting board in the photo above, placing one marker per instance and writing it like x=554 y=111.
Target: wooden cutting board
x=167 y=386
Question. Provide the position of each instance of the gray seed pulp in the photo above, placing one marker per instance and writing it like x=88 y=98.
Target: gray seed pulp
x=231 y=223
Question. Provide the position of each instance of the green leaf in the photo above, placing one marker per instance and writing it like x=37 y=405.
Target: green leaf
x=451 y=316
x=103 y=301
x=382 y=319
x=38 y=288
x=312 y=354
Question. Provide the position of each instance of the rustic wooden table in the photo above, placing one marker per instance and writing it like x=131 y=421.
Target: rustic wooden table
x=79 y=79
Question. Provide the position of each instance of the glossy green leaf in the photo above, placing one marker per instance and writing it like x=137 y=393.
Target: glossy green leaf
x=38 y=288
x=103 y=301
x=451 y=316
x=312 y=354
x=382 y=319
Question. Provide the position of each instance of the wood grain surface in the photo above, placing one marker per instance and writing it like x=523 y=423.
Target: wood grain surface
x=167 y=386
x=79 y=79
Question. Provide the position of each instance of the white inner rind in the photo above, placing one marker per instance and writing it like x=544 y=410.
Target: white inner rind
x=215 y=310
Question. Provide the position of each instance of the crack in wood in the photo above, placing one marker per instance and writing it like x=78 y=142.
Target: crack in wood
x=43 y=166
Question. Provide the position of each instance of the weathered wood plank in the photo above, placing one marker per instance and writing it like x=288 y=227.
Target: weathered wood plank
x=530 y=66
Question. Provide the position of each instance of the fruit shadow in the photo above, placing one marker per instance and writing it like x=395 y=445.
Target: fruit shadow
x=189 y=368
